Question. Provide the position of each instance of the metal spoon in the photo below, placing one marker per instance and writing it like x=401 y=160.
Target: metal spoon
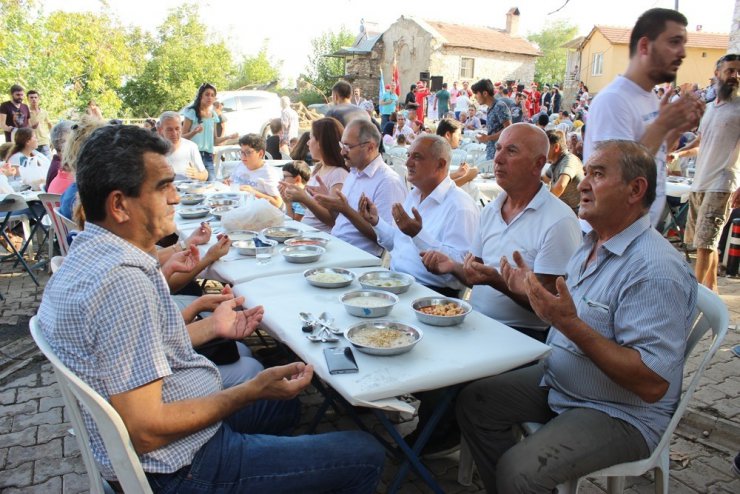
x=309 y=323
x=322 y=337
x=326 y=321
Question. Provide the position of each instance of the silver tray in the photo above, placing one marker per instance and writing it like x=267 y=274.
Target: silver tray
x=349 y=275
x=367 y=279
x=440 y=320
x=191 y=199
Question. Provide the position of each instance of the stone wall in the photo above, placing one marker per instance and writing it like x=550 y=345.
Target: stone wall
x=497 y=66
x=413 y=47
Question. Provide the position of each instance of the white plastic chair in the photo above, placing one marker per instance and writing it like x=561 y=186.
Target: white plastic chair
x=397 y=151
x=485 y=166
x=66 y=226
x=398 y=164
x=56 y=263
x=458 y=157
x=50 y=203
x=225 y=154
x=712 y=314
x=114 y=434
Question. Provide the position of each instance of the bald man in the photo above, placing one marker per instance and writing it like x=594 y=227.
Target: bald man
x=525 y=217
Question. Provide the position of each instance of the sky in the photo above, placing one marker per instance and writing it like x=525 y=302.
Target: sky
x=289 y=25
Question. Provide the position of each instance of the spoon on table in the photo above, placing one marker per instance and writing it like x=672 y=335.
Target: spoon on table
x=309 y=323
x=326 y=321
x=323 y=336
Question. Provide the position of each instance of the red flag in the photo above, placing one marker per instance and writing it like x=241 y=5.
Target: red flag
x=396 y=78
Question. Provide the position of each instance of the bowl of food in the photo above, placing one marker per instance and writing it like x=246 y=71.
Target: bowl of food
x=189 y=186
x=368 y=303
x=223 y=203
x=194 y=212
x=249 y=247
x=383 y=337
x=388 y=281
x=441 y=311
x=239 y=235
x=280 y=233
x=221 y=196
x=305 y=240
x=191 y=199
x=302 y=254
x=329 y=277
x=220 y=211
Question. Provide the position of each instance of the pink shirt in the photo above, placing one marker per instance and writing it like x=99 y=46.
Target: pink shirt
x=331 y=176
x=60 y=183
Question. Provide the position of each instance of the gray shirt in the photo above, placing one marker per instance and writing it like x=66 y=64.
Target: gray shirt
x=641 y=294
x=569 y=165
x=107 y=313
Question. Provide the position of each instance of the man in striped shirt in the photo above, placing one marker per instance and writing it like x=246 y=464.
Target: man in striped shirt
x=618 y=333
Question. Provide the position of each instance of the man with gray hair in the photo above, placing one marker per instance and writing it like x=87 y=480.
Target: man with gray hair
x=369 y=177
x=185 y=157
x=289 y=119
x=436 y=215
x=58 y=137
x=611 y=382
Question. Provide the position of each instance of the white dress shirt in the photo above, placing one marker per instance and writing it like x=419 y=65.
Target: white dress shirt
x=449 y=223
x=381 y=185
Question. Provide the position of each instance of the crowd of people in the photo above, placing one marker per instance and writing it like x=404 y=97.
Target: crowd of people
x=611 y=297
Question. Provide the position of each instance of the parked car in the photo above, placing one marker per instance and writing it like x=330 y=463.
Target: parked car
x=249 y=111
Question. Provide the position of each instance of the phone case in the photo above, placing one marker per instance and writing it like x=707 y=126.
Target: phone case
x=340 y=360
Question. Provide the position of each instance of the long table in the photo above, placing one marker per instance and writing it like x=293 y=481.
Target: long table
x=234 y=268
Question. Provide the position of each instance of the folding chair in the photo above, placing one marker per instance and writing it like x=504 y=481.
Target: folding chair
x=51 y=201
x=9 y=205
x=712 y=314
x=117 y=442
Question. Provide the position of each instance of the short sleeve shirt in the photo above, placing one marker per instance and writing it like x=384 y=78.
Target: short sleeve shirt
x=18 y=117
x=569 y=165
x=265 y=178
x=497 y=115
x=205 y=139
x=391 y=107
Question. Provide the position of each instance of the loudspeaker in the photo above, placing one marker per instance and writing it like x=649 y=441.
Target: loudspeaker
x=424 y=76
x=437 y=82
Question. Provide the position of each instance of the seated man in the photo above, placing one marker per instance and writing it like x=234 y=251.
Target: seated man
x=566 y=171
x=252 y=175
x=525 y=217
x=107 y=313
x=185 y=158
x=472 y=122
x=619 y=324
x=369 y=176
x=422 y=222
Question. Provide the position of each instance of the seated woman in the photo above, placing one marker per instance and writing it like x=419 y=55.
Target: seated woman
x=272 y=144
x=299 y=151
x=296 y=173
x=32 y=165
x=252 y=175
x=330 y=172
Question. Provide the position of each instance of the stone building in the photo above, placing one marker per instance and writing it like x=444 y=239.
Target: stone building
x=439 y=51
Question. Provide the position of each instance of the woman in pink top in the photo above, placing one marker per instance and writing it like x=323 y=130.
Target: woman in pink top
x=330 y=172
x=64 y=179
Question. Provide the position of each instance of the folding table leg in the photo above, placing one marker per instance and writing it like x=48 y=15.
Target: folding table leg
x=19 y=256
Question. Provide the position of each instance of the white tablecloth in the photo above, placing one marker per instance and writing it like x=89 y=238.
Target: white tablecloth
x=678 y=189
x=480 y=347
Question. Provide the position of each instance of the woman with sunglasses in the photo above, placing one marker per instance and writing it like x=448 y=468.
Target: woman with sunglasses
x=328 y=174
x=200 y=126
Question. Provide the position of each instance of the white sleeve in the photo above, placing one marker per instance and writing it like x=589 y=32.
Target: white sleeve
x=560 y=242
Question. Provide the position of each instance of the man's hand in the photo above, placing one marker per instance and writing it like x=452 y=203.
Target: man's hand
x=235 y=324
x=368 y=210
x=197 y=129
x=181 y=262
x=284 y=382
x=200 y=235
x=409 y=226
x=219 y=249
x=683 y=114
x=247 y=188
x=557 y=310
x=333 y=202
x=478 y=273
x=436 y=262
x=515 y=276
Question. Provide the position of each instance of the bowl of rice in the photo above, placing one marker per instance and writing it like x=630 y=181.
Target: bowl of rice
x=383 y=338
x=329 y=277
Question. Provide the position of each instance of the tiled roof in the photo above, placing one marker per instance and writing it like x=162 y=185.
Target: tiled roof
x=621 y=36
x=482 y=38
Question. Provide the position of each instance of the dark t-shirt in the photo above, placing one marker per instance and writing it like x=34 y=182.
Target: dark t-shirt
x=15 y=117
x=272 y=146
x=345 y=113
x=443 y=102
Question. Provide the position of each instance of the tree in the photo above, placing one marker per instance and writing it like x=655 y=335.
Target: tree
x=550 y=67
x=257 y=70
x=181 y=58
x=323 y=71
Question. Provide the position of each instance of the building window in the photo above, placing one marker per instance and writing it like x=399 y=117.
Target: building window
x=597 y=67
x=467 y=68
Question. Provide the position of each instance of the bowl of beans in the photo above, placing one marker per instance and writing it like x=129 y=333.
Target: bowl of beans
x=441 y=311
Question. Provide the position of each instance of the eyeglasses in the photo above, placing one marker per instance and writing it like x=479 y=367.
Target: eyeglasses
x=248 y=152
x=347 y=147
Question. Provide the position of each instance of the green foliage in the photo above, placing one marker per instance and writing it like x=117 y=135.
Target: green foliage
x=550 y=67
x=322 y=71
x=257 y=70
x=181 y=58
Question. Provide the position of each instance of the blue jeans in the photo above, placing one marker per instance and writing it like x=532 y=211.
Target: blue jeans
x=242 y=458
x=208 y=163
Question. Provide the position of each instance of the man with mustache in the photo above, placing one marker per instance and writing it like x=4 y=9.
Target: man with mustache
x=627 y=109
x=14 y=114
x=717 y=170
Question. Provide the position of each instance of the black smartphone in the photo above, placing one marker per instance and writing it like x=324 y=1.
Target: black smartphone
x=340 y=360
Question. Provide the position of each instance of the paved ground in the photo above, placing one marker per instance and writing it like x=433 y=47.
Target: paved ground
x=37 y=453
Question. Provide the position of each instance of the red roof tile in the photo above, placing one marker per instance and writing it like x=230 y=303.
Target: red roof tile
x=483 y=38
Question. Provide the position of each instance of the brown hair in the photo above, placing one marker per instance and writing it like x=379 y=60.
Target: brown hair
x=328 y=133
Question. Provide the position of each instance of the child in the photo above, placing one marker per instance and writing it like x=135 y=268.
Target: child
x=298 y=173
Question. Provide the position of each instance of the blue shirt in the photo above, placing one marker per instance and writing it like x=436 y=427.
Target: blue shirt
x=391 y=107
x=68 y=200
x=497 y=114
x=204 y=139
x=107 y=313
x=641 y=294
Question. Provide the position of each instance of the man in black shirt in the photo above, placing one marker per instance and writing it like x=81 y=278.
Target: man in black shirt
x=14 y=114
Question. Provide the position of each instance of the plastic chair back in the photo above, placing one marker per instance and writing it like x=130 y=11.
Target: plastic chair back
x=115 y=436
x=50 y=203
x=66 y=227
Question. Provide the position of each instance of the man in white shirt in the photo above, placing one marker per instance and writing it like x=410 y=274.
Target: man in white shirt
x=402 y=127
x=425 y=220
x=627 y=108
x=717 y=170
x=185 y=157
x=369 y=176
x=524 y=218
